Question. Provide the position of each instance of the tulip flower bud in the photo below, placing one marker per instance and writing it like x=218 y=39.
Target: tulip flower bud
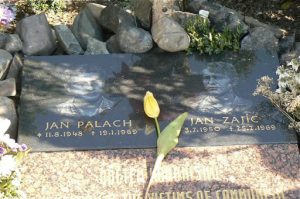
x=151 y=107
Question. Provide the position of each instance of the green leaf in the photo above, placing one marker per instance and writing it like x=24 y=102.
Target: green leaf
x=287 y=4
x=169 y=136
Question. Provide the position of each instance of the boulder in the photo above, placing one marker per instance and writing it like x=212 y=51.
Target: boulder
x=8 y=111
x=8 y=87
x=15 y=66
x=194 y=5
x=85 y=26
x=142 y=10
x=5 y=59
x=13 y=43
x=54 y=35
x=134 y=40
x=67 y=40
x=10 y=42
x=166 y=32
x=96 y=47
x=297 y=46
x=3 y=38
x=36 y=35
x=287 y=57
x=287 y=43
x=255 y=23
x=182 y=17
x=167 y=6
x=112 y=45
x=15 y=71
x=96 y=10
x=297 y=36
x=260 y=38
x=112 y=17
x=169 y=35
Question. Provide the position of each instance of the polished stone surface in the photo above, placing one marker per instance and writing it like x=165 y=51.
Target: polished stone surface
x=257 y=171
x=96 y=102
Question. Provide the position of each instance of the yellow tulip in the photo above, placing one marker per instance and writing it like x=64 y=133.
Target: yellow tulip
x=151 y=107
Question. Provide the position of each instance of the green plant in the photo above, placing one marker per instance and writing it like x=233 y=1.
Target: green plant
x=38 y=6
x=11 y=154
x=287 y=97
x=167 y=139
x=205 y=39
x=127 y=4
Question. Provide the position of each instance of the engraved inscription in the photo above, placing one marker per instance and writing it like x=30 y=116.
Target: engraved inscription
x=201 y=194
x=245 y=123
x=94 y=128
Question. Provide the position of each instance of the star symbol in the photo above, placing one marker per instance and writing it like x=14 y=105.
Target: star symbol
x=39 y=135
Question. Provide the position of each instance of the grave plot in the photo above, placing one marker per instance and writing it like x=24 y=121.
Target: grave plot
x=74 y=94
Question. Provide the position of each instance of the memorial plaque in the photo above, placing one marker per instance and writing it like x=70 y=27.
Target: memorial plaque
x=96 y=102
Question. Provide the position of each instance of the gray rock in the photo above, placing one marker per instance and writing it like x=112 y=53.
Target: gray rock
x=297 y=36
x=112 y=45
x=134 y=40
x=260 y=38
x=255 y=23
x=287 y=43
x=222 y=17
x=5 y=59
x=195 y=5
x=96 y=47
x=67 y=40
x=8 y=87
x=10 y=42
x=164 y=8
x=59 y=51
x=13 y=43
x=182 y=17
x=166 y=32
x=96 y=10
x=36 y=35
x=85 y=26
x=8 y=111
x=287 y=57
x=142 y=10
x=3 y=38
x=112 y=17
x=15 y=67
x=54 y=35
x=55 y=39
x=297 y=46
x=15 y=70
x=168 y=5
x=169 y=35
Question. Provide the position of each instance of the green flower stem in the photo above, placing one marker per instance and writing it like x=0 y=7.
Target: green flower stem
x=157 y=126
x=157 y=164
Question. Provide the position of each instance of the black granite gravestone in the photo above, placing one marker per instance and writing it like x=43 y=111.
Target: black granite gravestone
x=96 y=102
